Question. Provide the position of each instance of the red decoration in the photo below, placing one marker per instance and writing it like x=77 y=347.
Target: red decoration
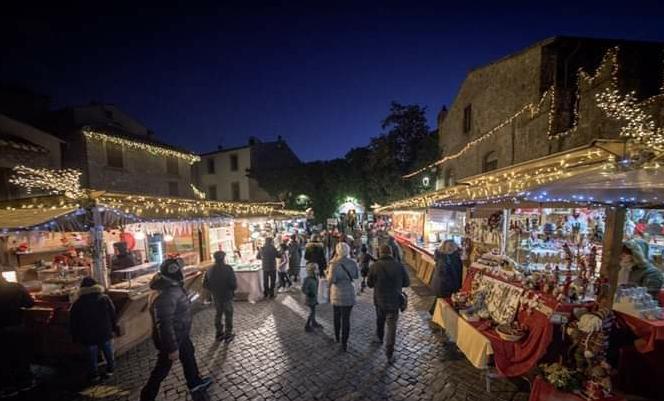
x=128 y=239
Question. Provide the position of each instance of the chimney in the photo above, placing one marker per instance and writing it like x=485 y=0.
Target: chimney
x=220 y=147
x=253 y=140
x=150 y=134
x=441 y=116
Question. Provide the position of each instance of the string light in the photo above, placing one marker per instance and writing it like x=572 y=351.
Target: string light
x=583 y=78
x=54 y=182
x=197 y=192
x=152 y=149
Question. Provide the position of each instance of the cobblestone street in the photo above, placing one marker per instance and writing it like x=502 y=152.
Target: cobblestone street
x=272 y=358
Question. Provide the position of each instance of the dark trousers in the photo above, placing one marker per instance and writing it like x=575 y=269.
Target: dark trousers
x=163 y=366
x=311 y=320
x=269 y=277
x=284 y=280
x=93 y=355
x=390 y=317
x=342 y=322
x=15 y=356
x=294 y=273
x=224 y=314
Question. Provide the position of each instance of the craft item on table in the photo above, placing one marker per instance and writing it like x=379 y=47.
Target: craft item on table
x=514 y=331
x=561 y=377
x=469 y=315
x=590 y=342
x=637 y=302
x=502 y=299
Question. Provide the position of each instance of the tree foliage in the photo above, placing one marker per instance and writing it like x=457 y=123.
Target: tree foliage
x=371 y=174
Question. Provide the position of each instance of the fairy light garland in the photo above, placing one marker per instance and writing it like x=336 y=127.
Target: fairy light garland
x=197 y=192
x=54 y=182
x=610 y=58
x=152 y=149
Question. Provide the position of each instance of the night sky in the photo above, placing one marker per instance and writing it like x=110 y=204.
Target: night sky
x=322 y=77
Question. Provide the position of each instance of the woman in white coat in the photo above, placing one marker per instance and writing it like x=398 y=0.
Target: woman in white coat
x=341 y=274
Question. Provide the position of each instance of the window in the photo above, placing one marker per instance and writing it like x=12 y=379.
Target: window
x=7 y=190
x=173 y=189
x=108 y=114
x=235 y=191
x=450 y=177
x=114 y=155
x=467 y=119
x=490 y=162
x=172 y=166
x=210 y=166
x=212 y=192
x=234 y=162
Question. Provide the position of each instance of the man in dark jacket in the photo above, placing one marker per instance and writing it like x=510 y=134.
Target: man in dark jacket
x=315 y=253
x=92 y=321
x=171 y=318
x=14 y=345
x=268 y=256
x=387 y=277
x=221 y=282
x=396 y=251
x=294 y=258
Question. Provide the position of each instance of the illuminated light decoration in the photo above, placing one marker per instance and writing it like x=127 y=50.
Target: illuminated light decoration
x=139 y=235
x=152 y=149
x=639 y=125
x=168 y=238
x=197 y=192
x=610 y=59
x=54 y=182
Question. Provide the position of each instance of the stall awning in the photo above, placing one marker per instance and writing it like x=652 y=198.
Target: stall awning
x=515 y=183
x=25 y=218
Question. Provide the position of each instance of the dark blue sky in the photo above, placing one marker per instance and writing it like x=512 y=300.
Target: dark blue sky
x=321 y=76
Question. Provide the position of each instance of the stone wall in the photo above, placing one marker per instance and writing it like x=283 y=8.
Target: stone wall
x=142 y=173
x=500 y=90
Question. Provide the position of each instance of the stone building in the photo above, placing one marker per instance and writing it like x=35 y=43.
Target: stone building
x=117 y=153
x=540 y=101
x=223 y=174
x=26 y=145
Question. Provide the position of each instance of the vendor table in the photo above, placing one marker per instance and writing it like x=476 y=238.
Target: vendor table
x=249 y=282
x=648 y=330
x=134 y=271
x=468 y=338
x=419 y=259
x=544 y=391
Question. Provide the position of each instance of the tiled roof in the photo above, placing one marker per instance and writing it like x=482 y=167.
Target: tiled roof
x=7 y=140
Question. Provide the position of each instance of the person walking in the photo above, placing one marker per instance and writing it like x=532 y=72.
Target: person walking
x=343 y=270
x=387 y=277
x=365 y=259
x=294 y=258
x=396 y=250
x=284 y=281
x=92 y=322
x=315 y=253
x=268 y=257
x=220 y=280
x=310 y=290
x=15 y=374
x=170 y=309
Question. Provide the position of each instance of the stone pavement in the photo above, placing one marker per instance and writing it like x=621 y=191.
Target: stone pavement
x=272 y=358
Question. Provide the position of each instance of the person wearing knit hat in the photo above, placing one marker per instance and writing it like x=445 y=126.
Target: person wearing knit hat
x=171 y=326
x=636 y=269
x=220 y=280
x=92 y=321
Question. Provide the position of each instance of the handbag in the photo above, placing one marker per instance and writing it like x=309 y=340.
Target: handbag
x=357 y=286
x=403 y=301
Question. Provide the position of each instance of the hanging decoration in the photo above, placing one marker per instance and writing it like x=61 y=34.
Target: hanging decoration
x=197 y=192
x=54 y=182
x=150 y=148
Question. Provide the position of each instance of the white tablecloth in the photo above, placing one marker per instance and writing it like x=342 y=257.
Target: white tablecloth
x=468 y=339
x=249 y=284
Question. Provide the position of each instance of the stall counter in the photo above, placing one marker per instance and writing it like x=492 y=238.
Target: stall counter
x=418 y=258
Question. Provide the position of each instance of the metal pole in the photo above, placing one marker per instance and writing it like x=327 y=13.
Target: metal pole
x=506 y=231
x=99 y=271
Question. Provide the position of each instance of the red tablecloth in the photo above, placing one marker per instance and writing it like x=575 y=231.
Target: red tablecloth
x=544 y=391
x=649 y=330
x=517 y=358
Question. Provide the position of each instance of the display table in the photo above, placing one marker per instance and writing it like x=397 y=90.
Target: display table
x=475 y=345
x=249 y=282
x=418 y=258
x=648 y=330
x=134 y=271
x=544 y=391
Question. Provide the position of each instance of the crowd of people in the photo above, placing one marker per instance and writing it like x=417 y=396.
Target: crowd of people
x=337 y=269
